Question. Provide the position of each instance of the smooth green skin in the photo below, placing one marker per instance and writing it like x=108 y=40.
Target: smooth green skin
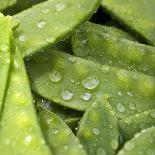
x=62 y=112
x=19 y=131
x=59 y=137
x=131 y=13
x=5 y=48
x=98 y=129
x=128 y=92
x=106 y=45
x=6 y=4
x=56 y=24
x=142 y=144
x=134 y=124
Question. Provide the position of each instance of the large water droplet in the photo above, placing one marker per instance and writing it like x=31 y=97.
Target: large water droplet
x=41 y=24
x=66 y=95
x=120 y=107
x=28 y=139
x=114 y=144
x=96 y=131
x=55 y=76
x=90 y=82
x=86 y=96
x=60 y=6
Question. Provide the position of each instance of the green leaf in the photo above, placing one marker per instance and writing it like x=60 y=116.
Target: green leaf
x=50 y=22
x=59 y=136
x=142 y=144
x=98 y=129
x=137 y=15
x=110 y=46
x=6 y=4
x=135 y=123
x=19 y=131
x=5 y=48
x=75 y=83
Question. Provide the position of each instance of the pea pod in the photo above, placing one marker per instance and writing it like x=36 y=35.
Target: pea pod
x=75 y=83
x=6 y=3
x=131 y=14
x=5 y=47
x=110 y=46
x=19 y=131
x=134 y=124
x=50 y=22
x=98 y=129
x=142 y=144
x=59 y=136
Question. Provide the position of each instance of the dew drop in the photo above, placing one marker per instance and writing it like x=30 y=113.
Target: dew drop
x=105 y=69
x=129 y=146
x=60 y=7
x=132 y=106
x=101 y=151
x=129 y=93
x=72 y=59
x=55 y=131
x=41 y=24
x=28 y=139
x=55 y=76
x=114 y=144
x=95 y=105
x=90 y=82
x=120 y=93
x=22 y=37
x=96 y=131
x=4 y=47
x=66 y=95
x=45 y=11
x=110 y=126
x=153 y=114
x=86 y=96
x=120 y=107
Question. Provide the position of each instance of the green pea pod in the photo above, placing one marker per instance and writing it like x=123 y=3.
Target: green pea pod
x=50 y=22
x=60 y=138
x=98 y=129
x=62 y=112
x=19 y=131
x=134 y=124
x=5 y=48
x=132 y=14
x=110 y=46
x=75 y=83
x=6 y=4
x=142 y=144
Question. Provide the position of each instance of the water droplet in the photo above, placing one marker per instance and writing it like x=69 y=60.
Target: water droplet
x=146 y=68
x=86 y=96
x=60 y=6
x=66 y=95
x=132 y=106
x=105 y=69
x=90 y=82
x=114 y=144
x=55 y=76
x=45 y=11
x=22 y=37
x=72 y=59
x=101 y=151
x=129 y=93
x=129 y=146
x=95 y=105
x=120 y=93
x=28 y=139
x=110 y=126
x=96 y=131
x=4 y=47
x=41 y=24
x=153 y=114
x=55 y=131
x=120 y=107
x=122 y=75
